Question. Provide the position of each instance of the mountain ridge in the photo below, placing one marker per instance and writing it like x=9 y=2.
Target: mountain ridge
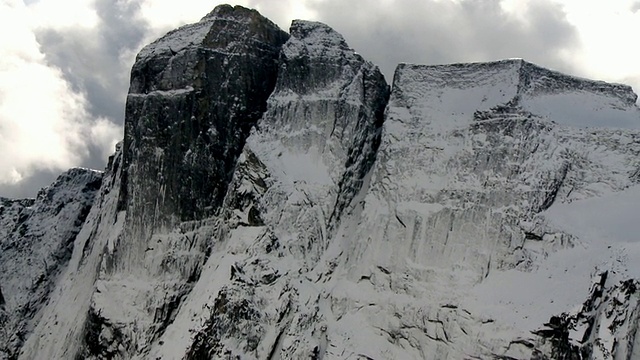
x=527 y=70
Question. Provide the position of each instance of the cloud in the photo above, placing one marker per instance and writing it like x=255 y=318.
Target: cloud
x=47 y=120
x=39 y=113
x=29 y=186
x=96 y=61
x=64 y=76
x=607 y=36
x=431 y=32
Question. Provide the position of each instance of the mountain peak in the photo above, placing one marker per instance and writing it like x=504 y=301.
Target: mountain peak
x=313 y=31
x=226 y=11
x=315 y=39
x=227 y=29
x=566 y=99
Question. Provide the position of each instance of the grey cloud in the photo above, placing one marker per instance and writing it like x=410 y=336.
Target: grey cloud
x=92 y=60
x=416 y=31
x=28 y=187
x=432 y=32
x=96 y=62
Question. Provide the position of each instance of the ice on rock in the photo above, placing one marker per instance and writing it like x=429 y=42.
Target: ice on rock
x=274 y=199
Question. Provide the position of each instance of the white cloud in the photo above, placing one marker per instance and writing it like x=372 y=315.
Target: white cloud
x=607 y=32
x=106 y=135
x=63 y=13
x=162 y=15
x=44 y=123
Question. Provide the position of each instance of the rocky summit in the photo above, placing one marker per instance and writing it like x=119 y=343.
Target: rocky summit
x=274 y=198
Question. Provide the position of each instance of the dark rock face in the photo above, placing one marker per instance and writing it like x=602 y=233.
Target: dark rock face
x=604 y=327
x=189 y=111
x=227 y=316
x=36 y=241
x=195 y=94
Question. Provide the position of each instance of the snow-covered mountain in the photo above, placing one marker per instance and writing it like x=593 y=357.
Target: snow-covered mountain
x=36 y=243
x=274 y=198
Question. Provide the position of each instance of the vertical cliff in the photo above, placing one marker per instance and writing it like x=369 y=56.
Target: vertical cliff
x=195 y=94
x=299 y=172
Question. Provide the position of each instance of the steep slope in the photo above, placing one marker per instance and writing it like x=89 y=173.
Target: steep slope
x=456 y=196
x=61 y=329
x=298 y=173
x=36 y=241
x=274 y=199
x=194 y=96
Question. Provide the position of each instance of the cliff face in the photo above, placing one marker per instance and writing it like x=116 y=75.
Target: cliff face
x=299 y=173
x=460 y=212
x=274 y=199
x=187 y=119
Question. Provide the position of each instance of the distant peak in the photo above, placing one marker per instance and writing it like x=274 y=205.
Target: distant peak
x=303 y=28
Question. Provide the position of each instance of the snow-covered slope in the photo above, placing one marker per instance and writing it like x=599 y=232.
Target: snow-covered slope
x=36 y=241
x=61 y=330
x=461 y=89
x=274 y=199
x=457 y=203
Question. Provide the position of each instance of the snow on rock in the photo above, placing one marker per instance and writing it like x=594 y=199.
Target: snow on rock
x=298 y=173
x=455 y=203
x=61 y=329
x=274 y=199
x=321 y=129
x=457 y=90
x=36 y=241
x=188 y=115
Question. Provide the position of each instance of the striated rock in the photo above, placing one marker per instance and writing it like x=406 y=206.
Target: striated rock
x=466 y=169
x=298 y=174
x=195 y=94
x=189 y=110
x=321 y=131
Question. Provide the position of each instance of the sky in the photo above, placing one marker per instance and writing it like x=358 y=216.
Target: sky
x=64 y=68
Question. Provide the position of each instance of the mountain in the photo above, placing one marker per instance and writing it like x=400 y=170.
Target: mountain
x=274 y=198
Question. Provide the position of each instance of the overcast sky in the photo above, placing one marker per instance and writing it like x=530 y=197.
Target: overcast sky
x=64 y=68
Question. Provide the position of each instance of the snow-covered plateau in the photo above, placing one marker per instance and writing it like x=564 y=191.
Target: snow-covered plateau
x=273 y=198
